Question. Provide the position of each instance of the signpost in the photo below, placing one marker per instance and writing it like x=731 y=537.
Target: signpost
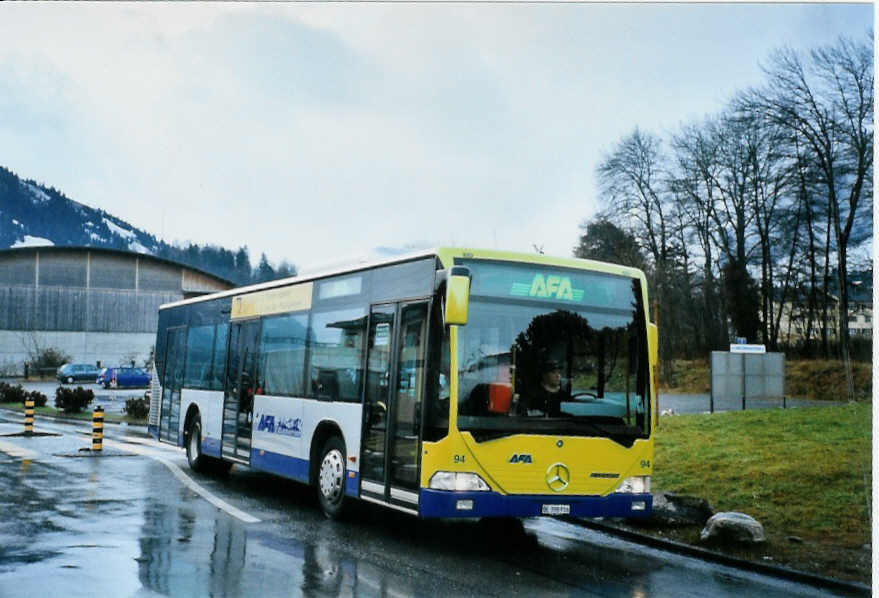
x=744 y=350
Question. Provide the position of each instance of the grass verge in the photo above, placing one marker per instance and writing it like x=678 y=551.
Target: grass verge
x=800 y=472
x=806 y=379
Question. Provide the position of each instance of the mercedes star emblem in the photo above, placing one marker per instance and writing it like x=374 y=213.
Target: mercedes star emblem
x=557 y=477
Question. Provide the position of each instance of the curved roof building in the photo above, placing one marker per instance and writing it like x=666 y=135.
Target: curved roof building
x=93 y=304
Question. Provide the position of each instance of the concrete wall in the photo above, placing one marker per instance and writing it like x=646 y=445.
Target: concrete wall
x=110 y=348
x=94 y=305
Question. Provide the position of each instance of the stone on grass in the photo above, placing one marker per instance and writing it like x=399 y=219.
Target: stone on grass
x=674 y=510
x=733 y=527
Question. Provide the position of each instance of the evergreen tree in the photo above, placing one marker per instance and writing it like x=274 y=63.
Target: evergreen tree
x=264 y=272
x=242 y=266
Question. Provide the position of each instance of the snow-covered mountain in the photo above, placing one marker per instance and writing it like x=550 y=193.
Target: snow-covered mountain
x=32 y=215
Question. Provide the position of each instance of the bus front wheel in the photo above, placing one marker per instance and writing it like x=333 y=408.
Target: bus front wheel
x=331 y=477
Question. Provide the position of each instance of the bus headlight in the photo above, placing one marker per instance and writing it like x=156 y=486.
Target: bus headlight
x=455 y=480
x=636 y=485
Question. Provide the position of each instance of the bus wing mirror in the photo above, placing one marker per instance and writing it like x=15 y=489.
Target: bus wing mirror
x=457 y=295
x=653 y=342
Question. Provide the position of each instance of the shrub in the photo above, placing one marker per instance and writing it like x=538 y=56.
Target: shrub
x=48 y=358
x=73 y=400
x=137 y=407
x=38 y=398
x=11 y=394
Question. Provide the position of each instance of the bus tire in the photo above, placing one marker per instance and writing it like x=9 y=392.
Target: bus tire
x=331 y=477
x=197 y=461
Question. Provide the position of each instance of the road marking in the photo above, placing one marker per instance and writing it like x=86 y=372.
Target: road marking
x=187 y=481
x=13 y=450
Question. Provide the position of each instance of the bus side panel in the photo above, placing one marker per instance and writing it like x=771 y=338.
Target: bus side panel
x=277 y=437
x=210 y=407
x=348 y=417
x=283 y=432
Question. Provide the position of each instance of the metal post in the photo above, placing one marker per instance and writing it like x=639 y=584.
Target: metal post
x=98 y=428
x=744 y=380
x=711 y=379
x=28 y=416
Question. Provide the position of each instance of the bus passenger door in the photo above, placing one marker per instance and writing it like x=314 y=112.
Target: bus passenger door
x=392 y=407
x=239 y=390
x=175 y=353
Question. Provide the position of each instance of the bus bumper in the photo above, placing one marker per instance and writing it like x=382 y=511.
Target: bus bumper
x=442 y=503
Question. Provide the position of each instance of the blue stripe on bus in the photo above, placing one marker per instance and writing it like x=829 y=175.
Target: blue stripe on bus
x=210 y=446
x=352 y=483
x=441 y=503
x=282 y=465
x=295 y=468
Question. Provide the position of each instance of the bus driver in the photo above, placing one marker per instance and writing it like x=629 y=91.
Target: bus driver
x=548 y=396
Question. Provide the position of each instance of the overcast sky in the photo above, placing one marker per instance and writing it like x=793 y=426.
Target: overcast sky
x=317 y=132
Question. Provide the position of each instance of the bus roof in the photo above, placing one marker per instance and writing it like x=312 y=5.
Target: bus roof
x=446 y=256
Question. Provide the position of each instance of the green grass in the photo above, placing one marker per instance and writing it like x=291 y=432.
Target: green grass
x=800 y=472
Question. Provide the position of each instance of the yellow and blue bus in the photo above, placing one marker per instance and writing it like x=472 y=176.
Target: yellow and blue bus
x=446 y=383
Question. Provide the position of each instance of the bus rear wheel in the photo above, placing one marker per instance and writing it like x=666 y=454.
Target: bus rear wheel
x=331 y=478
x=197 y=461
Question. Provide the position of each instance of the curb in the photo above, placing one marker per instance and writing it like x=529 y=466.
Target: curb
x=723 y=559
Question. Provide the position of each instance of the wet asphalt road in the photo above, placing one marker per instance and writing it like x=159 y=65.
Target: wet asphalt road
x=125 y=524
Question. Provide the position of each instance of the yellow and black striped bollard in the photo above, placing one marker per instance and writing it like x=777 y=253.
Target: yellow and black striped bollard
x=98 y=428
x=28 y=417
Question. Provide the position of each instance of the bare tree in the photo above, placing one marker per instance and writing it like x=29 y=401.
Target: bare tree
x=631 y=179
x=828 y=101
x=634 y=183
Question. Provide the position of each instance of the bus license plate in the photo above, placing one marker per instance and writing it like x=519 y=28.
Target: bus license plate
x=556 y=509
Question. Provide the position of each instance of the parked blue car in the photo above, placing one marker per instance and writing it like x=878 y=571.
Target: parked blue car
x=76 y=372
x=124 y=377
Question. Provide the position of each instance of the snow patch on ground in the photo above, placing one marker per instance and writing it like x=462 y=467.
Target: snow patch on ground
x=30 y=241
x=40 y=196
x=122 y=232
x=138 y=248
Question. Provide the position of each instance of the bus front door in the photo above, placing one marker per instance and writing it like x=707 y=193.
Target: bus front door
x=392 y=407
x=239 y=391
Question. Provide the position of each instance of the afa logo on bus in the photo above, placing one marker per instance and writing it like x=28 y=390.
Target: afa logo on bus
x=286 y=426
x=551 y=286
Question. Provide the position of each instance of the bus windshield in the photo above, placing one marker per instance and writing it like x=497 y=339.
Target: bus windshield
x=544 y=363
